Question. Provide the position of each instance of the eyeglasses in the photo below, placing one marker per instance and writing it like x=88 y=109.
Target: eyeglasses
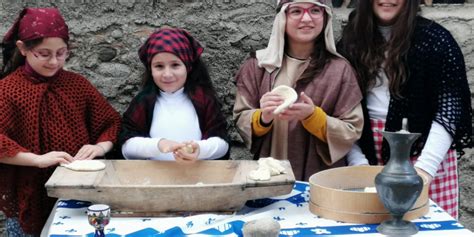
x=296 y=13
x=46 y=55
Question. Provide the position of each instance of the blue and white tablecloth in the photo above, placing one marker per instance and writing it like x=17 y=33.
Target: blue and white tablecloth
x=292 y=212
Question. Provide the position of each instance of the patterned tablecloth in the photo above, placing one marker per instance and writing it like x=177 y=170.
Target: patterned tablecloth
x=69 y=219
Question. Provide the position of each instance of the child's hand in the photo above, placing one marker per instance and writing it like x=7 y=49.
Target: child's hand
x=166 y=145
x=89 y=152
x=187 y=153
x=268 y=103
x=53 y=158
x=300 y=110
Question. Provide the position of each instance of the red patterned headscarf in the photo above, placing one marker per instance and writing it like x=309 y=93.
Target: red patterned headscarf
x=35 y=23
x=171 y=40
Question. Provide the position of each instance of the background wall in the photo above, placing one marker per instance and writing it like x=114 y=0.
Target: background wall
x=106 y=35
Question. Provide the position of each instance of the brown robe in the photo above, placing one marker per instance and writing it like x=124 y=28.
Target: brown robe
x=335 y=90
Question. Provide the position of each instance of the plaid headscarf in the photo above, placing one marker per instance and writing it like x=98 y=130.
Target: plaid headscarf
x=171 y=40
x=35 y=23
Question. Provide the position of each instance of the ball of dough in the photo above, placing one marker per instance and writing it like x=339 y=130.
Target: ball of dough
x=187 y=149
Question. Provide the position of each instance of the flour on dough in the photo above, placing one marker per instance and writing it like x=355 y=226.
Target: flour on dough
x=85 y=165
x=267 y=167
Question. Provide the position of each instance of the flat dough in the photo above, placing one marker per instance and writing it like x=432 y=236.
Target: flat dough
x=289 y=95
x=370 y=190
x=85 y=165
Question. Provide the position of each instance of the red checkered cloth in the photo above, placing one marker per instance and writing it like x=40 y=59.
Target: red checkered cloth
x=444 y=187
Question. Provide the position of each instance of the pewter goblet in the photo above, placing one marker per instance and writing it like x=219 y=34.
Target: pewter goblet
x=98 y=216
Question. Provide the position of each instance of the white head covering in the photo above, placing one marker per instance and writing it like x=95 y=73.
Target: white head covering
x=271 y=57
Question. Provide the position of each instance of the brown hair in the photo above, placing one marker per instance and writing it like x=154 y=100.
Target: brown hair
x=197 y=77
x=12 y=58
x=319 y=57
x=364 y=46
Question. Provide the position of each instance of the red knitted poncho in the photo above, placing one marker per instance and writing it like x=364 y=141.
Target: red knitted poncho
x=60 y=114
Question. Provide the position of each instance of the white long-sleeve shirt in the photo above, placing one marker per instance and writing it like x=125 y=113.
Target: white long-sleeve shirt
x=175 y=118
x=378 y=99
x=437 y=144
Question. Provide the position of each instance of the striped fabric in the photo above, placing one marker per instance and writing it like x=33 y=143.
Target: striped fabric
x=444 y=187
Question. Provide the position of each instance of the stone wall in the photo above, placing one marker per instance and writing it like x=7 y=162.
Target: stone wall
x=105 y=37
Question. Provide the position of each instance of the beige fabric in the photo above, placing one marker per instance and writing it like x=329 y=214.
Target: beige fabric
x=291 y=70
x=271 y=57
x=243 y=112
x=339 y=141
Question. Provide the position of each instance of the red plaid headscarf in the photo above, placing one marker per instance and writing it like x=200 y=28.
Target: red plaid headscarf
x=171 y=40
x=35 y=23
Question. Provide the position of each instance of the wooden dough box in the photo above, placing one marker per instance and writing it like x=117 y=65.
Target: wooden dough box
x=150 y=187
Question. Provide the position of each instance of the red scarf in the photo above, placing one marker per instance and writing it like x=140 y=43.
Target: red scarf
x=36 y=23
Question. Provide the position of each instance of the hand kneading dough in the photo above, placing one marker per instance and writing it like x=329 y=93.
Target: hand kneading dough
x=187 y=149
x=85 y=165
x=289 y=95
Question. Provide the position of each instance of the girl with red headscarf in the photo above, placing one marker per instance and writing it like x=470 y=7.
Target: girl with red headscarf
x=48 y=116
x=176 y=116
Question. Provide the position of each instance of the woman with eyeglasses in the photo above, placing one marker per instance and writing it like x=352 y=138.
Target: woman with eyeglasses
x=48 y=116
x=410 y=67
x=317 y=131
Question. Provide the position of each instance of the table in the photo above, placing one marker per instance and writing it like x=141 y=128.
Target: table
x=68 y=219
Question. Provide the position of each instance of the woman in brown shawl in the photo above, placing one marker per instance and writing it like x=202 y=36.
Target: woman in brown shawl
x=317 y=131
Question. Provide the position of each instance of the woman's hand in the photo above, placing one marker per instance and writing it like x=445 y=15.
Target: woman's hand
x=300 y=110
x=188 y=153
x=268 y=103
x=53 y=158
x=89 y=152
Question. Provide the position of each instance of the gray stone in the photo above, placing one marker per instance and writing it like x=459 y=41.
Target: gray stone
x=117 y=34
x=106 y=54
x=265 y=227
x=113 y=70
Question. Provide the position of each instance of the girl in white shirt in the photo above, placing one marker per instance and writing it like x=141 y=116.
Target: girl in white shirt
x=176 y=116
x=410 y=67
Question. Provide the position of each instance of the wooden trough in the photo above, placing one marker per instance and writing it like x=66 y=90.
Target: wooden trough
x=145 y=188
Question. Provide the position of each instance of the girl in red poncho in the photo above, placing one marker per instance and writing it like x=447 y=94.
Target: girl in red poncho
x=48 y=116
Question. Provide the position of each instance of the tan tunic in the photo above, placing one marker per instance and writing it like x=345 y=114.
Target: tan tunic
x=335 y=90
